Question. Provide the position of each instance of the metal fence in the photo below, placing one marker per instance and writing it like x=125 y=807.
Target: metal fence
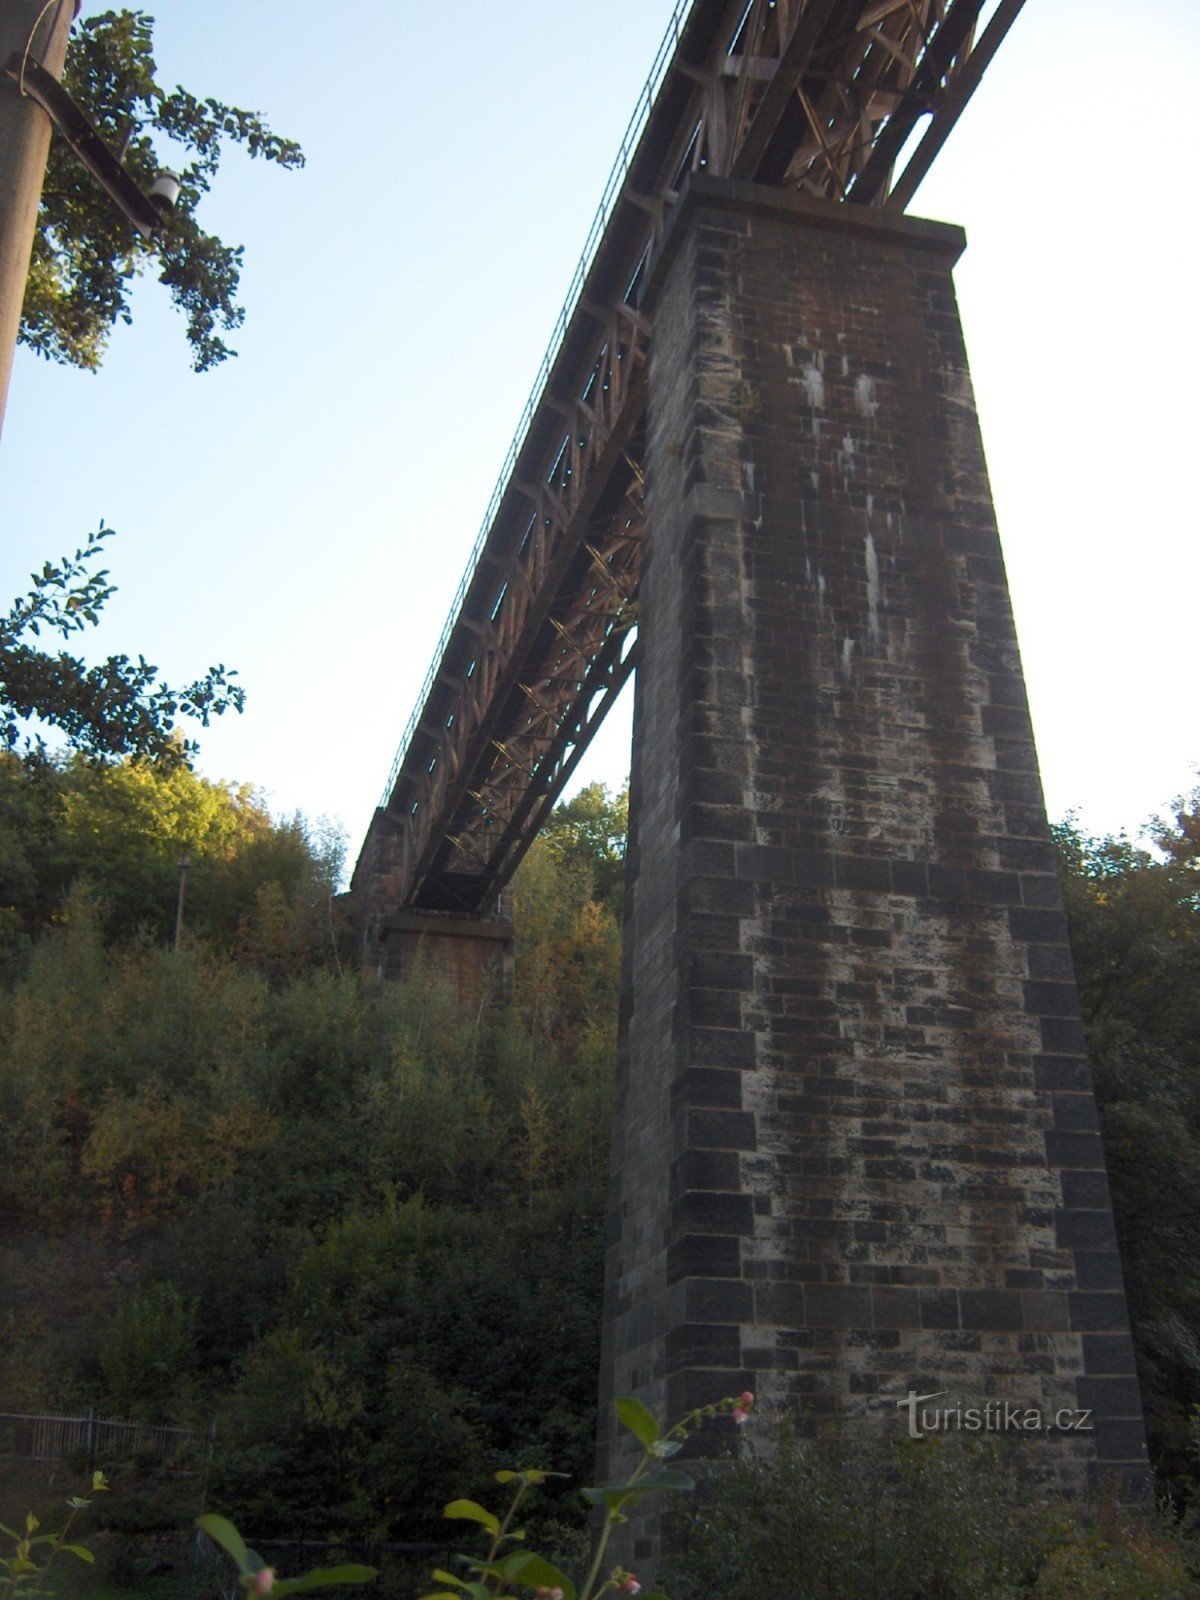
x=98 y=1441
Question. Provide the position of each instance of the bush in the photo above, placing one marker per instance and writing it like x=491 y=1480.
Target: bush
x=937 y=1519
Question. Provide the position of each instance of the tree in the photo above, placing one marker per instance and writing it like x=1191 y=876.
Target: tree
x=118 y=708
x=86 y=254
x=1135 y=936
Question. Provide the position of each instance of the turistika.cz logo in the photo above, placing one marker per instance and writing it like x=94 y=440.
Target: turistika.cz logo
x=993 y=1416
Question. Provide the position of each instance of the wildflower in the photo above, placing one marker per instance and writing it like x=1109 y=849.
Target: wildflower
x=743 y=1406
x=625 y=1582
x=264 y=1581
x=542 y=1593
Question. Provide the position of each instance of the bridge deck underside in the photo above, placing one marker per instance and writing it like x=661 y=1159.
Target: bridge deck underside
x=819 y=96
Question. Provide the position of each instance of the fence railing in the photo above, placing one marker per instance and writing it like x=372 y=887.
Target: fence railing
x=97 y=1440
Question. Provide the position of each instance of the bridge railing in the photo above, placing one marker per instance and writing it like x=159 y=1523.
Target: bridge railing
x=612 y=191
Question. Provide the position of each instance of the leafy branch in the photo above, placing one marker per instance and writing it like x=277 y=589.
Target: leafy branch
x=117 y=708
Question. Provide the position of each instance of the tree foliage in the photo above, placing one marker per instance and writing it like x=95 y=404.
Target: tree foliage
x=1135 y=933
x=117 y=708
x=361 y=1226
x=86 y=255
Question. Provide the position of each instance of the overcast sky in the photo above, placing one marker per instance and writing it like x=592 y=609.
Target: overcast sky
x=304 y=512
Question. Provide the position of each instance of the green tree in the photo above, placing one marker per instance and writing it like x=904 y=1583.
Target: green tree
x=86 y=254
x=1135 y=934
x=116 y=708
x=256 y=886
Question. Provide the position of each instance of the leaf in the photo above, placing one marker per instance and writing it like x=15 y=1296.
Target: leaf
x=222 y=1532
x=614 y=1499
x=640 y=1422
x=326 y=1578
x=667 y=1478
x=79 y=1550
x=471 y=1511
x=537 y=1573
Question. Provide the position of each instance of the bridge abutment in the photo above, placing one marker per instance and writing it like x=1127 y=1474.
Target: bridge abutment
x=856 y=1147
x=471 y=953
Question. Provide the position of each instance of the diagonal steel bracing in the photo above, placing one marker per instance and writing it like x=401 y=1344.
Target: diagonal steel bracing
x=845 y=99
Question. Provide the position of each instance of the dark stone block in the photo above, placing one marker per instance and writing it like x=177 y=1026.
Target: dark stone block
x=1100 y=1269
x=1052 y=999
x=706 y=1169
x=1105 y=1353
x=722 y=1047
x=713 y=1213
x=1110 y=1397
x=1068 y=1074
x=991 y=1310
x=721 y=970
x=1086 y=1190
x=993 y=888
x=702 y=1256
x=1085 y=1230
x=1046 y=1311
x=698 y=1344
x=1074 y=1150
x=811 y=870
x=939 y=1308
x=862 y=872
x=719 y=1300
x=1062 y=1034
x=708 y=1086
x=715 y=1008
x=779 y=1305
x=1036 y=926
x=837 y=1306
x=721 y=1130
x=910 y=878
x=895 y=1308
x=1119 y=1440
x=1093 y=1312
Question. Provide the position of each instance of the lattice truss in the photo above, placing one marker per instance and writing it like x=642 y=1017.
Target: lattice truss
x=842 y=99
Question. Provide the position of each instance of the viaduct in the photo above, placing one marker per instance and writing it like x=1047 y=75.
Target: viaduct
x=856 y=1147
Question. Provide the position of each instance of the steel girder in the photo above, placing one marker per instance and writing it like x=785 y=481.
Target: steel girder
x=823 y=96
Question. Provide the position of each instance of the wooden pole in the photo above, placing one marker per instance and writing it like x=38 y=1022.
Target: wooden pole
x=41 y=29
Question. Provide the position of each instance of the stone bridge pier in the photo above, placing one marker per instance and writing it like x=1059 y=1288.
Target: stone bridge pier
x=856 y=1146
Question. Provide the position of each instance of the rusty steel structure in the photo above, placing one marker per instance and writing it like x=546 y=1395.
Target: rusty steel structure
x=849 y=100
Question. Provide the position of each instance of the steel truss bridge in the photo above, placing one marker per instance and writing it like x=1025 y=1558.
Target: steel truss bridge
x=849 y=100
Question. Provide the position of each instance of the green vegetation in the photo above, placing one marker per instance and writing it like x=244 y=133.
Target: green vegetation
x=86 y=256
x=362 y=1226
x=945 y=1518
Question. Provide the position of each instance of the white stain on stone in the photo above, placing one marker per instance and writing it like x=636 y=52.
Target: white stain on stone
x=847 y=654
x=872 y=589
x=814 y=384
x=748 y=476
x=864 y=396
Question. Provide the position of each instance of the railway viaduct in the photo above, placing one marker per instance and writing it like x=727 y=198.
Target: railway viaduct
x=856 y=1147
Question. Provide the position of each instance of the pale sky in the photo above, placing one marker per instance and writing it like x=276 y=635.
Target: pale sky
x=304 y=512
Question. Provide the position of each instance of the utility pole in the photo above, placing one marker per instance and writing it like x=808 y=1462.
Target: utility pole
x=185 y=862
x=39 y=27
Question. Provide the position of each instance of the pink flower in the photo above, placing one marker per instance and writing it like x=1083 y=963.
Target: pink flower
x=743 y=1405
x=628 y=1584
x=264 y=1581
x=542 y=1593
